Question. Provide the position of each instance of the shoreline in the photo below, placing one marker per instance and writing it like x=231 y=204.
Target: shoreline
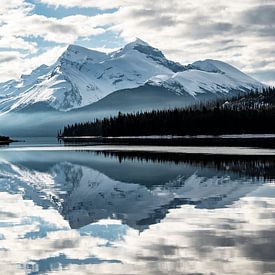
x=4 y=140
x=259 y=141
x=188 y=150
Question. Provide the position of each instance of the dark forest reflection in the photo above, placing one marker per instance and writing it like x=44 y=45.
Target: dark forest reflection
x=115 y=209
x=253 y=166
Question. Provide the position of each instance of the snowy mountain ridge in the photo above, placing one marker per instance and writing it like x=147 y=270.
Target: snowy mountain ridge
x=82 y=76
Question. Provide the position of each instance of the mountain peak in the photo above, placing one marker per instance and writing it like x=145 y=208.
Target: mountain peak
x=140 y=42
x=74 y=47
x=76 y=53
x=134 y=44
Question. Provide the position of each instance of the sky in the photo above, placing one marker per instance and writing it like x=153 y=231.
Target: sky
x=242 y=33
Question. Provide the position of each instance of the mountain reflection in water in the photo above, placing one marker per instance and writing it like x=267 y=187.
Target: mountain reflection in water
x=137 y=213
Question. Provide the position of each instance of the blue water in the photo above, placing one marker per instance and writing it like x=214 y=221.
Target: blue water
x=84 y=212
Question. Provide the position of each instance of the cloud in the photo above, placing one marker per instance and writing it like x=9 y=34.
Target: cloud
x=106 y=4
x=18 y=23
x=6 y=57
x=185 y=31
x=197 y=30
x=9 y=60
x=188 y=238
x=65 y=30
x=260 y=15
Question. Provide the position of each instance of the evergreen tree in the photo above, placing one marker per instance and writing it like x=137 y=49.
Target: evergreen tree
x=243 y=114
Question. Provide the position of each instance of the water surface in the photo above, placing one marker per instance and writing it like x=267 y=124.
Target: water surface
x=83 y=212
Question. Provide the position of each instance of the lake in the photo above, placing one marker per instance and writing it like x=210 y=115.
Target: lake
x=87 y=210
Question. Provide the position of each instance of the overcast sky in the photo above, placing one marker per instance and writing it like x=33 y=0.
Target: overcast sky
x=33 y=32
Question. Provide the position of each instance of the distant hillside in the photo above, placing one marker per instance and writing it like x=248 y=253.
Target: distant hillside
x=253 y=100
x=249 y=114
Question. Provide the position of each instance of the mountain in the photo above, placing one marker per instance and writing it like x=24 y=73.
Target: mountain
x=135 y=76
x=145 y=97
x=208 y=76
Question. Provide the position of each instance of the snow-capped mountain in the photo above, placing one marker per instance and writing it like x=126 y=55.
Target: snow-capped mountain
x=81 y=77
x=208 y=76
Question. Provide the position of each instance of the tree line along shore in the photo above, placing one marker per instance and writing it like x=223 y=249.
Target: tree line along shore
x=253 y=113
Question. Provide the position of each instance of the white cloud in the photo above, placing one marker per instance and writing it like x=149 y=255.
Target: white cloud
x=190 y=30
x=25 y=65
x=18 y=23
x=188 y=238
x=105 y=4
x=184 y=30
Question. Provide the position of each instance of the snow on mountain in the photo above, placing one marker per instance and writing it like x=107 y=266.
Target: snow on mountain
x=208 y=76
x=81 y=77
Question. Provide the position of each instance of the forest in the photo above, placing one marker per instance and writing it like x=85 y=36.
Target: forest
x=5 y=140
x=252 y=113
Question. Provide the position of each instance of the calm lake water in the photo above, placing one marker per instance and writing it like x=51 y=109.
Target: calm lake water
x=75 y=211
